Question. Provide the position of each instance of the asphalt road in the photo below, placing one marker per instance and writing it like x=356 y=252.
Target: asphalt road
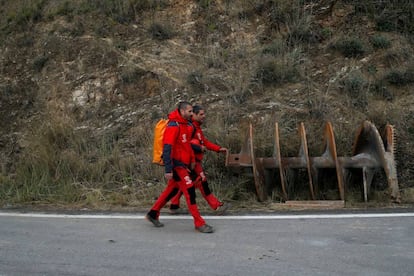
x=275 y=244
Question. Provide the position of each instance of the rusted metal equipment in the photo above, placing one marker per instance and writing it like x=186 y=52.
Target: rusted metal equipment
x=371 y=153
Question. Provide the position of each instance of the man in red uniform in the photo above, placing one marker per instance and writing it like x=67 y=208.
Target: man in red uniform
x=200 y=145
x=179 y=159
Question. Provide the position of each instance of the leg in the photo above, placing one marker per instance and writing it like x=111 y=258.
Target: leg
x=204 y=188
x=188 y=189
x=175 y=201
x=170 y=191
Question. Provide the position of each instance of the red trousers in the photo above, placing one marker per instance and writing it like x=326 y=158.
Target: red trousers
x=201 y=184
x=180 y=183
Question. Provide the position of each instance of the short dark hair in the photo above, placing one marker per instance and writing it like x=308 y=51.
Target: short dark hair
x=197 y=109
x=183 y=105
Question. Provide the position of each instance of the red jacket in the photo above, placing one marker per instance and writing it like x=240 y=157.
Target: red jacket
x=200 y=140
x=177 y=149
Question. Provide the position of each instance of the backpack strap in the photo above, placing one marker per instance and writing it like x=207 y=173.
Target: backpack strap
x=173 y=123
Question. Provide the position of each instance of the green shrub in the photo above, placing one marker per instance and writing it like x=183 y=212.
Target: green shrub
x=204 y=4
x=160 y=31
x=351 y=47
x=396 y=20
x=39 y=62
x=301 y=32
x=400 y=77
x=120 y=45
x=77 y=30
x=278 y=70
x=122 y=11
x=278 y=47
x=326 y=33
x=29 y=13
x=131 y=74
x=383 y=24
x=195 y=79
x=273 y=72
x=65 y=9
x=354 y=84
x=355 y=87
x=380 y=42
x=26 y=40
x=380 y=89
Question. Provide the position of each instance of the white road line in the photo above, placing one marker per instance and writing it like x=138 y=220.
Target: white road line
x=227 y=217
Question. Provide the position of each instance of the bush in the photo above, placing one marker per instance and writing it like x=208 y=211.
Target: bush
x=39 y=63
x=276 y=48
x=354 y=84
x=380 y=42
x=274 y=71
x=280 y=69
x=380 y=89
x=325 y=33
x=396 y=20
x=195 y=79
x=30 y=13
x=302 y=32
x=65 y=9
x=352 y=47
x=159 y=31
x=130 y=74
x=400 y=77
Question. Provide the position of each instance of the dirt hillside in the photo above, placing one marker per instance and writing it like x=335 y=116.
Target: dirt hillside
x=83 y=82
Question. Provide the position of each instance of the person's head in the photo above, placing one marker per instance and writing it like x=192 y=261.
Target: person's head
x=199 y=113
x=186 y=110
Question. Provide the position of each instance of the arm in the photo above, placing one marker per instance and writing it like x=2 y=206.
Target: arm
x=211 y=146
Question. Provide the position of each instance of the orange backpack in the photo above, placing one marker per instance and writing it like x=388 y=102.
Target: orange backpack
x=159 y=130
x=158 y=141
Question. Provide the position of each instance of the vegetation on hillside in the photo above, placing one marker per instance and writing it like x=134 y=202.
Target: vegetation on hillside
x=83 y=82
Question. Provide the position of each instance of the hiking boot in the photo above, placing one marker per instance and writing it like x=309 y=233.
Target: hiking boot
x=223 y=208
x=154 y=221
x=205 y=229
x=178 y=211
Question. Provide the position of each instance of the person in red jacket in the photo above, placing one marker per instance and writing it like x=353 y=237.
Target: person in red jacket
x=200 y=145
x=179 y=159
